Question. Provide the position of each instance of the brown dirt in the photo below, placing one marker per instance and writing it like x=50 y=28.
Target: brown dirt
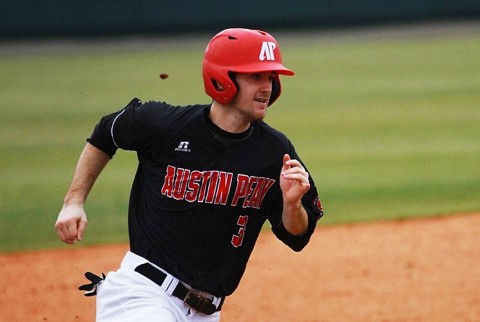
x=415 y=270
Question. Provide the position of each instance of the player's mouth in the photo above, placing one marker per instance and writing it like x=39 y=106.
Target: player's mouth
x=261 y=100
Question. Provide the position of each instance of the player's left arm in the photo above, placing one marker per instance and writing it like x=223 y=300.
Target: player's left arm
x=294 y=183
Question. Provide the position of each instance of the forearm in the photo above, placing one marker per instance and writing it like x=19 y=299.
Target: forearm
x=295 y=218
x=72 y=220
x=90 y=164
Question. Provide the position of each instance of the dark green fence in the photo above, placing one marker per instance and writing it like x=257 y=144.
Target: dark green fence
x=34 y=18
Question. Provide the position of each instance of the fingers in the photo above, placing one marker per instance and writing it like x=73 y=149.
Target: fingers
x=81 y=229
x=293 y=169
x=70 y=228
x=67 y=231
x=64 y=233
x=294 y=181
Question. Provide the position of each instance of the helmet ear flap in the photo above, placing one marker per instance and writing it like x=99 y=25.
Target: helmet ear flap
x=233 y=78
x=219 y=86
x=276 y=90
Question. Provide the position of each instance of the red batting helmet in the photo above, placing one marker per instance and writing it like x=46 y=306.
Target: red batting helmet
x=240 y=50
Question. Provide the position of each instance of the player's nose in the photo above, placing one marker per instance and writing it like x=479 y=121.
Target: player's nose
x=266 y=84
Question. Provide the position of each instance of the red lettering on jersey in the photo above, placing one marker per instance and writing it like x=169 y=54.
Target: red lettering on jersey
x=253 y=200
x=241 y=190
x=251 y=182
x=181 y=181
x=167 y=188
x=205 y=179
x=193 y=186
x=252 y=189
x=237 y=239
x=223 y=188
x=212 y=186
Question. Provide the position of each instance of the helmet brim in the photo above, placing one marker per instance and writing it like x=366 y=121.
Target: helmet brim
x=264 y=67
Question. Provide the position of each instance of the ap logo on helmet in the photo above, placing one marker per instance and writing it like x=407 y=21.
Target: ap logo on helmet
x=267 y=51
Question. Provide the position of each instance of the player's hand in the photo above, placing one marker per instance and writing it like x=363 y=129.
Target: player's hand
x=71 y=224
x=293 y=180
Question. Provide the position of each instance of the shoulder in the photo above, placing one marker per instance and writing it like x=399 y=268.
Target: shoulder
x=159 y=108
x=273 y=134
x=159 y=113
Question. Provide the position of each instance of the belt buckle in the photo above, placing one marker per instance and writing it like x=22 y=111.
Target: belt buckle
x=199 y=303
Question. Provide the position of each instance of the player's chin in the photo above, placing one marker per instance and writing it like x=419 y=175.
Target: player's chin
x=259 y=114
x=260 y=109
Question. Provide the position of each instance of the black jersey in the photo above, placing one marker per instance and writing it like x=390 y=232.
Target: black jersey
x=201 y=195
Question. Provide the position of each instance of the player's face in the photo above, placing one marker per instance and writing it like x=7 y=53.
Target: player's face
x=254 y=90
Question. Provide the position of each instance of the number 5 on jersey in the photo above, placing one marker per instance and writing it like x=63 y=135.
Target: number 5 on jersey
x=237 y=239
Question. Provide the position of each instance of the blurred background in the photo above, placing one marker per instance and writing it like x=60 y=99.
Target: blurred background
x=47 y=18
x=384 y=107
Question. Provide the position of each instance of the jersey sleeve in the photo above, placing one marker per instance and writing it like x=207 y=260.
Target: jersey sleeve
x=131 y=128
x=312 y=204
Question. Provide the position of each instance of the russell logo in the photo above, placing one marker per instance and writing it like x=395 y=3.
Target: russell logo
x=266 y=53
x=183 y=147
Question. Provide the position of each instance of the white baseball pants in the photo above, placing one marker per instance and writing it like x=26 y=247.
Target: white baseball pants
x=127 y=296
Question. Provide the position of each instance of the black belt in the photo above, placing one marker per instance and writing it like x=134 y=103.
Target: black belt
x=190 y=297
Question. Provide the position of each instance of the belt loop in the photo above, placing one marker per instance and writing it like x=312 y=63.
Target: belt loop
x=169 y=284
x=216 y=301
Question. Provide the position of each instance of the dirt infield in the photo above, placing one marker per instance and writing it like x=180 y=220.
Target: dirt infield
x=415 y=270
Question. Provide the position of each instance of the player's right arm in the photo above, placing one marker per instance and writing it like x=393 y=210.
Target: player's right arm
x=129 y=129
x=72 y=220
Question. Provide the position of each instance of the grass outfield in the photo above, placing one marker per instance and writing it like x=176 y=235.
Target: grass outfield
x=388 y=127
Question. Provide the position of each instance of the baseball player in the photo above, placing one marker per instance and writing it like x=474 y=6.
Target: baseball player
x=208 y=178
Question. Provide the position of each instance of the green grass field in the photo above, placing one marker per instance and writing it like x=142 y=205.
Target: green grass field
x=388 y=127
